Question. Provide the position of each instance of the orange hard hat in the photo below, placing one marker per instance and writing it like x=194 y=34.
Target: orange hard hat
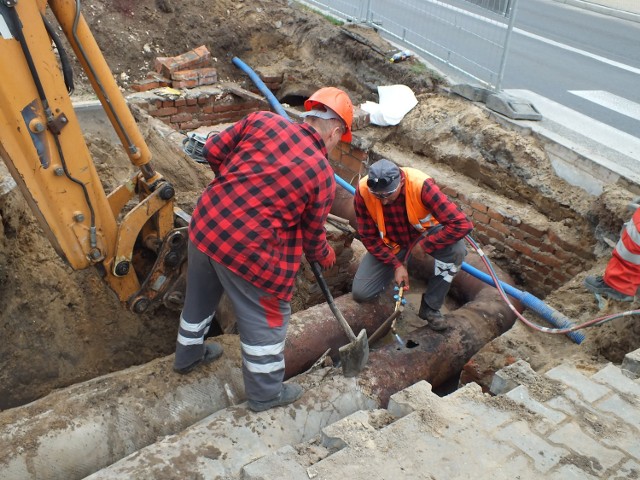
x=336 y=100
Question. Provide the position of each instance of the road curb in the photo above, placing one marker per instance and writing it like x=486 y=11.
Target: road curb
x=594 y=7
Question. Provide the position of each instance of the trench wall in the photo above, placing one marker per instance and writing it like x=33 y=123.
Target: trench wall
x=535 y=253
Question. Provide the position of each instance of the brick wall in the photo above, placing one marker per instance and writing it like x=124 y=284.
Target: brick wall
x=197 y=108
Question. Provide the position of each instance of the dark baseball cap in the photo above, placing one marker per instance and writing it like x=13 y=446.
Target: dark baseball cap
x=384 y=176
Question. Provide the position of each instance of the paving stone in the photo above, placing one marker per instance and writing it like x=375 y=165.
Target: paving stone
x=569 y=472
x=416 y=397
x=406 y=449
x=573 y=404
x=347 y=431
x=518 y=466
x=489 y=419
x=281 y=464
x=521 y=395
x=572 y=436
x=544 y=455
x=630 y=469
x=590 y=390
x=628 y=412
x=627 y=436
x=613 y=376
x=511 y=376
x=631 y=364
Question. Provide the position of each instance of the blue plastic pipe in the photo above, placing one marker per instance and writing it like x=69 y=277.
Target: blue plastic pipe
x=532 y=302
x=275 y=104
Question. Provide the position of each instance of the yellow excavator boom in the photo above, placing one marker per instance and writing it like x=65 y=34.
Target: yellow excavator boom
x=43 y=146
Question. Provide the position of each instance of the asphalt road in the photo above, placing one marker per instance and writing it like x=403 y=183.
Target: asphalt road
x=583 y=60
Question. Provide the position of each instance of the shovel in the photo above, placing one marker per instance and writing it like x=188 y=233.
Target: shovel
x=353 y=356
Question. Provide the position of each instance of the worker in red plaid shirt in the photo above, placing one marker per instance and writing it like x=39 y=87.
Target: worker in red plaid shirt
x=266 y=206
x=397 y=208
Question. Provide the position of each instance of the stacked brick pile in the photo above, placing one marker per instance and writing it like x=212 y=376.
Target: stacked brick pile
x=188 y=70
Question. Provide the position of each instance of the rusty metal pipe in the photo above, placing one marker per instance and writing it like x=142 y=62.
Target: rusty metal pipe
x=432 y=357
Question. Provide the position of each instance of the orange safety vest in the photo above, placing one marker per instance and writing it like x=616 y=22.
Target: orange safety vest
x=623 y=270
x=419 y=216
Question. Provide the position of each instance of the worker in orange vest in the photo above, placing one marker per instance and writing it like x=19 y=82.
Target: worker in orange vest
x=621 y=278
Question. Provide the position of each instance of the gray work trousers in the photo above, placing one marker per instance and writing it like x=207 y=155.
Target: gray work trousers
x=373 y=276
x=262 y=321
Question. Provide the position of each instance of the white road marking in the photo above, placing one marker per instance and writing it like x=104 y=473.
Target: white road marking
x=610 y=101
x=593 y=56
x=548 y=41
x=582 y=124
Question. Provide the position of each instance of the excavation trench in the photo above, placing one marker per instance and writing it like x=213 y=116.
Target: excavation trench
x=77 y=431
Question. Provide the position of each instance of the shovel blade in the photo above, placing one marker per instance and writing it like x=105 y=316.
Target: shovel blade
x=354 y=355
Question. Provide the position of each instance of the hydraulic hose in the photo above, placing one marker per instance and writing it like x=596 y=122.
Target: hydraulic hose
x=561 y=323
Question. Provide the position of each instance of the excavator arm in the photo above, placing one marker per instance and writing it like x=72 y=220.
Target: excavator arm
x=140 y=251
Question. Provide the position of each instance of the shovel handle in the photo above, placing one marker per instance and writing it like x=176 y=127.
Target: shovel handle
x=317 y=271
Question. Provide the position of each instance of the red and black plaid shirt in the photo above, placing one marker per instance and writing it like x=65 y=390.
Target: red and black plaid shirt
x=399 y=230
x=268 y=202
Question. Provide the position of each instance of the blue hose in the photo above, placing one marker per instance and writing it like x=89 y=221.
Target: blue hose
x=550 y=314
x=275 y=104
x=532 y=302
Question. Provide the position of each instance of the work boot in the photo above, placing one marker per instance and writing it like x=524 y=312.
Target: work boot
x=212 y=351
x=434 y=318
x=290 y=393
x=596 y=284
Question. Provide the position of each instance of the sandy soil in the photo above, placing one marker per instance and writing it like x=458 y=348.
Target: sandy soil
x=62 y=326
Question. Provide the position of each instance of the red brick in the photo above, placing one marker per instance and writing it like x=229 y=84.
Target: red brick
x=500 y=226
x=185 y=75
x=164 y=112
x=180 y=102
x=190 y=125
x=480 y=217
x=530 y=229
x=185 y=84
x=198 y=57
x=520 y=247
x=207 y=72
x=449 y=192
x=145 y=85
x=481 y=207
x=494 y=214
x=159 y=62
x=223 y=108
x=163 y=81
x=181 y=117
x=491 y=232
x=550 y=260
x=361 y=119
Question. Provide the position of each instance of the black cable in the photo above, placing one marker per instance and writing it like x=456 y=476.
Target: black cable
x=67 y=70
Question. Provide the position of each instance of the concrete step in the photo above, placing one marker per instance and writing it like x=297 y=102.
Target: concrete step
x=565 y=424
x=561 y=425
x=219 y=445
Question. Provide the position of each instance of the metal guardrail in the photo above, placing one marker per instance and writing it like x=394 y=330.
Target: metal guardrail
x=463 y=38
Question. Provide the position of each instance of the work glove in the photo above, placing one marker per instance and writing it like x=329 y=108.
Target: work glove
x=634 y=204
x=329 y=261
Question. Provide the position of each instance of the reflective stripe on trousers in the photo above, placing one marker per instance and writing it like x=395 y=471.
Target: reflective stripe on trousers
x=262 y=322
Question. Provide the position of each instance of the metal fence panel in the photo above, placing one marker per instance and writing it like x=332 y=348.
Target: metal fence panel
x=464 y=38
